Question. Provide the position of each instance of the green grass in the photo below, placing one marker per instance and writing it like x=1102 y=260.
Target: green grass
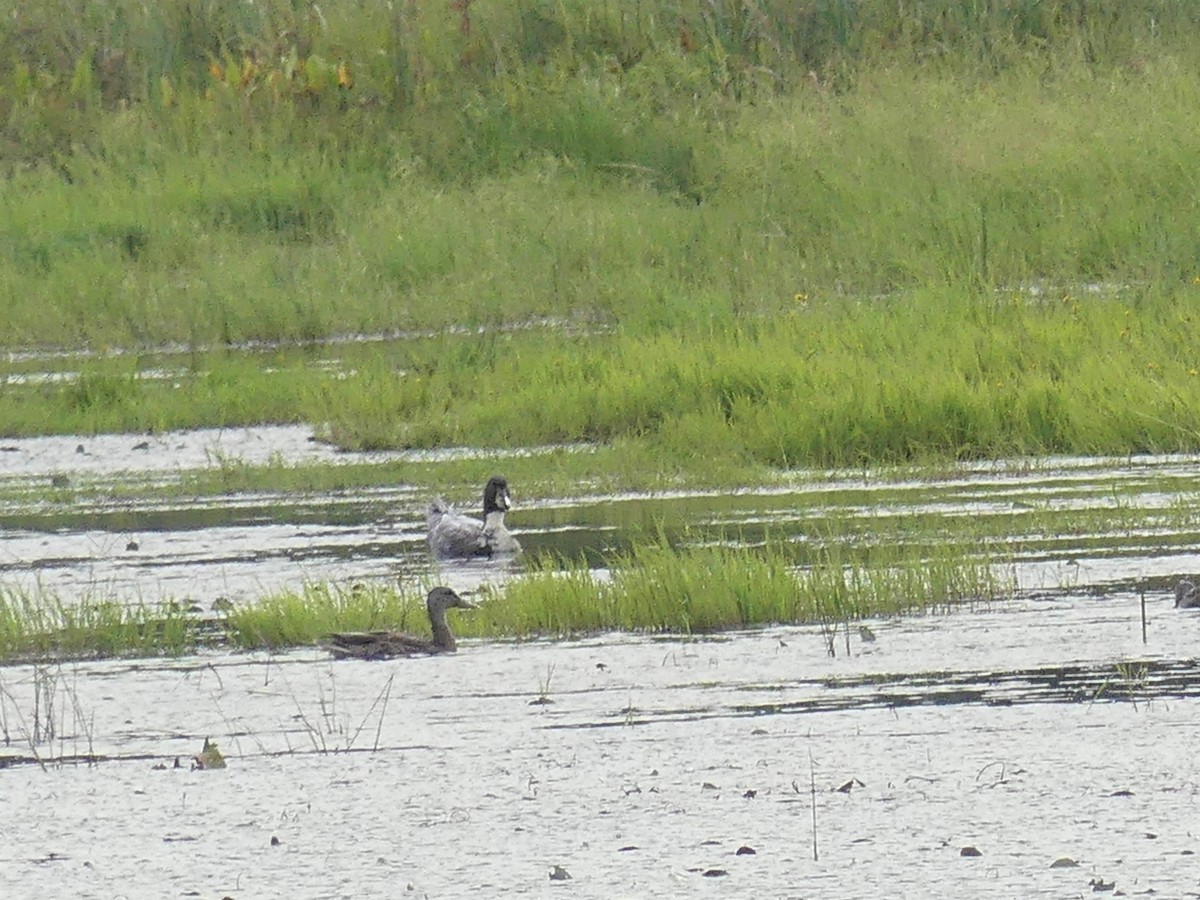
x=590 y=164
x=657 y=588
x=36 y=626
x=914 y=377
x=297 y=619
x=654 y=589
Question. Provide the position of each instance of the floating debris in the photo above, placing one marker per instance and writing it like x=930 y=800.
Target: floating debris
x=1064 y=862
x=714 y=873
x=969 y=851
x=208 y=758
x=50 y=857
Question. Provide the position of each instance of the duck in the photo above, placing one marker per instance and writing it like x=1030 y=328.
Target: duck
x=453 y=535
x=1186 y=595
x=390 y=644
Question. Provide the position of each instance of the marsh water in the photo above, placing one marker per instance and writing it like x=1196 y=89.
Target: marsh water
x=1040 y=730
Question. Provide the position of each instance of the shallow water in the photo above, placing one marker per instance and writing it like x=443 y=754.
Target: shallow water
x=241 y=546
x=1031 y=732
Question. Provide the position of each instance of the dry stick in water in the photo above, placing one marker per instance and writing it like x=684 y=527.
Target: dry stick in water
x=812 y=785
x=1142 y=595
x=381 y=701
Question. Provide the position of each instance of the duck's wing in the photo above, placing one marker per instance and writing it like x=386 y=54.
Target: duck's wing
x=376 y=644
x=456 y=536
x=359 y=644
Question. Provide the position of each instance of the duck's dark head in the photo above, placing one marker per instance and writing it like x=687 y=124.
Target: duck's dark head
x=495 y=495
x=442 y=598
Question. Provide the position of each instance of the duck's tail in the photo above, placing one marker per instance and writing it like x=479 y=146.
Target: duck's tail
x=436 y=509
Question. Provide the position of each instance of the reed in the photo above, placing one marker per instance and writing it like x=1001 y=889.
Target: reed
x=40 y=626
x=659 y=588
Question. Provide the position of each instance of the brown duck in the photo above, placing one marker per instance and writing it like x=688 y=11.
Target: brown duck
x=389 y=644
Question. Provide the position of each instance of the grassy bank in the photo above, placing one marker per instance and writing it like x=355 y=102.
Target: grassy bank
x=914 y=377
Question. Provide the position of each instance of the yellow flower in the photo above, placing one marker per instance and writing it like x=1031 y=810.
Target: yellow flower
x=345 y=79
x=800 y=297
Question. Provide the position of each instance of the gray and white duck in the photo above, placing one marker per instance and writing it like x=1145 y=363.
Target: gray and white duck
x=391 y=644
x=453 y=535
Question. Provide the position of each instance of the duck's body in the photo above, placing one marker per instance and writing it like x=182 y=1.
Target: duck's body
x=390 y=644
x=455 y=536
x=1187 y=596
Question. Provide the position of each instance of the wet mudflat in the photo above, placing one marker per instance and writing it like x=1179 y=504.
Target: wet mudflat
x=1032 y=732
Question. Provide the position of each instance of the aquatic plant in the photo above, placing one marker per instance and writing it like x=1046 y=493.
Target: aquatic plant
x=660 y=588
x=39 y=625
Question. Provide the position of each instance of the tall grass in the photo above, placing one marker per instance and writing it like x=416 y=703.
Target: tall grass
x=658 y=588
x=228 y=171
x=653 y=588
x=909 y=378
x=769 y=232
x=41 y=626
